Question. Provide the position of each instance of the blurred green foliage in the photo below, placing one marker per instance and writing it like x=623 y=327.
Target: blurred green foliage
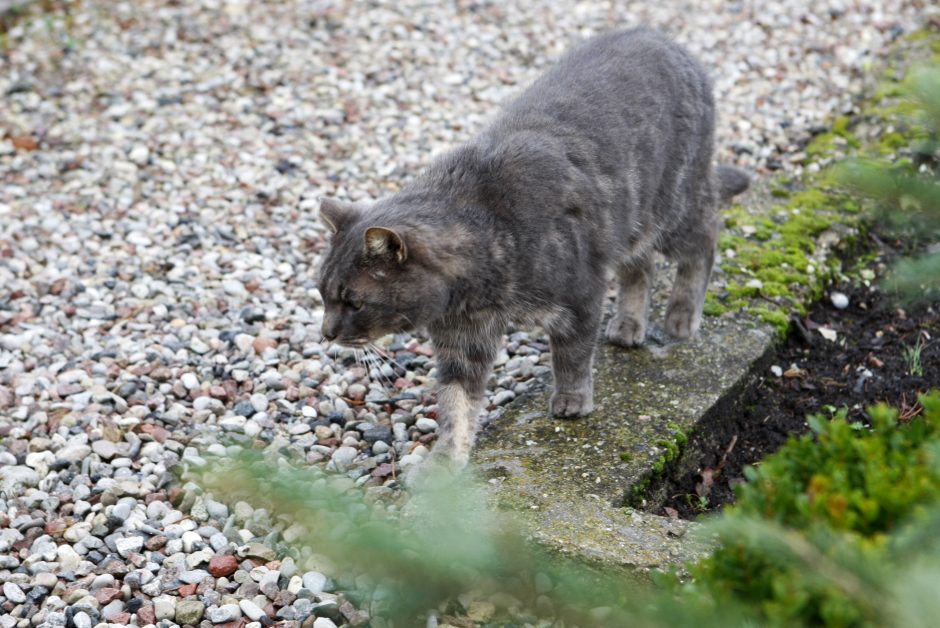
x=443 y=543
x=835 y=529
x=906 y=189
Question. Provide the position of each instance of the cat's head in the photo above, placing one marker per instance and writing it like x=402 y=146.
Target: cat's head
x=380 y=275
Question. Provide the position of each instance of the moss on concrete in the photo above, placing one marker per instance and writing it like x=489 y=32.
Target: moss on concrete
x=777 y=256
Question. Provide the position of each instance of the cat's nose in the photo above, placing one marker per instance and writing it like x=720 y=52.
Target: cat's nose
x=329 y=328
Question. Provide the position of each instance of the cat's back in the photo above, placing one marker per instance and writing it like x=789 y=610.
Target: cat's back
x=614 y=78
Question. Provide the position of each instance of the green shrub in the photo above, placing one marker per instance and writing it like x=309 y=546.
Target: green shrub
x=817 y=535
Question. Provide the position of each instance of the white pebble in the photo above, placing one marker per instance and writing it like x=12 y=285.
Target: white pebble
x=839 y=300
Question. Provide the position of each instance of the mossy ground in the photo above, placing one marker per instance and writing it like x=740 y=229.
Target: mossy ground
x=777 y=258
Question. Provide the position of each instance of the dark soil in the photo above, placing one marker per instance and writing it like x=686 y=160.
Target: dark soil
x=870 y=361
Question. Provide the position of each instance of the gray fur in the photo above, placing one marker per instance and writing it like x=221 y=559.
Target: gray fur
x=603 y=161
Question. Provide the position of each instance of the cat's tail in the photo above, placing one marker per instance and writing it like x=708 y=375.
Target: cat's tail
x=731 y=182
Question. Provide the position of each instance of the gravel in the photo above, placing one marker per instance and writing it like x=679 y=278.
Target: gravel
x=159 y=244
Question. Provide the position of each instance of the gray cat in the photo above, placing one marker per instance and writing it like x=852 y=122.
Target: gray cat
x=604 y=160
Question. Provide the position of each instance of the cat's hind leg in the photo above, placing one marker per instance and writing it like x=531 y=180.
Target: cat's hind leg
x=694 y=269
x=627 y=327
x=572 y=345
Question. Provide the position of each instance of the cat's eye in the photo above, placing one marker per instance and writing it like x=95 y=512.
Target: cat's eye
x=355 y=305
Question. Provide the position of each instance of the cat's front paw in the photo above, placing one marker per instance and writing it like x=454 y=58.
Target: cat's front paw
x=442 y=463
x=571 y=404
x=625 y=331
x=682 y=320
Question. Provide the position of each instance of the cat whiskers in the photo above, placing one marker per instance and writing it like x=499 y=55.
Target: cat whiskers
x=388 y=359
x=379 y=359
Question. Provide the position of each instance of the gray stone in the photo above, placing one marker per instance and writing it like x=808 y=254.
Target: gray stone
x=268 y=583
x=288 y=567
x=356 y=391
x=839 y=300
x=343 y=457
x=13 y=593
x=105 y=449
x=81 y=620
x=503 y=397
x=224 y=613
x=164 y=607
x=121 y=511
x=113 y=608
x=244 y=409
x=189 y=612
x=216 y=510
x=45 y=579
x=194 y=576
x=129 y=545
x=140 y=155
x=13 y=479
x=377 y=433
x=259 y=402
x=218 y=541
x=298 y=429
x=198 y=346
x=409 y=460
x=426 y=425
x=74 y=452
x=251 y=610
x=102 y=581
x=314 y=581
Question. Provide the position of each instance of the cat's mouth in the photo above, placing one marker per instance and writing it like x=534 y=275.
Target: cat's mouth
x=352 y=343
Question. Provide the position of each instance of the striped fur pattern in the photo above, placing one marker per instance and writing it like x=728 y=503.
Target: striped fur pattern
x=603 y=161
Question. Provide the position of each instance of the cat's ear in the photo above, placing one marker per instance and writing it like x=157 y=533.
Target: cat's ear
x=382 y=241
x=335 y=214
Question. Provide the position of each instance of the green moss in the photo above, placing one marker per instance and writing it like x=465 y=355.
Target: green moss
x=638 y=492
x=672 y=446
x=840 y=137
x=775 y=249
x=921 y=35
x=891 y=142
x=713 y=307
x=771 y=258
x=680 y=437
x=659 y=465
x=773 y=317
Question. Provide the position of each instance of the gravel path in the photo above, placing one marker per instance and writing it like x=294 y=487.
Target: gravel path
x=159 y=164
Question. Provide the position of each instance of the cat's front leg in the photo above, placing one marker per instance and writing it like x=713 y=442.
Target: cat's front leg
x=464 y=361
x=572 y=346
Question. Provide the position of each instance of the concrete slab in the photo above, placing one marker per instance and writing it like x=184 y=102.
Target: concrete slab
x=569 y=480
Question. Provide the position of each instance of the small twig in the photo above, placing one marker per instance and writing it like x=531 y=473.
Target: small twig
x=724 y=457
